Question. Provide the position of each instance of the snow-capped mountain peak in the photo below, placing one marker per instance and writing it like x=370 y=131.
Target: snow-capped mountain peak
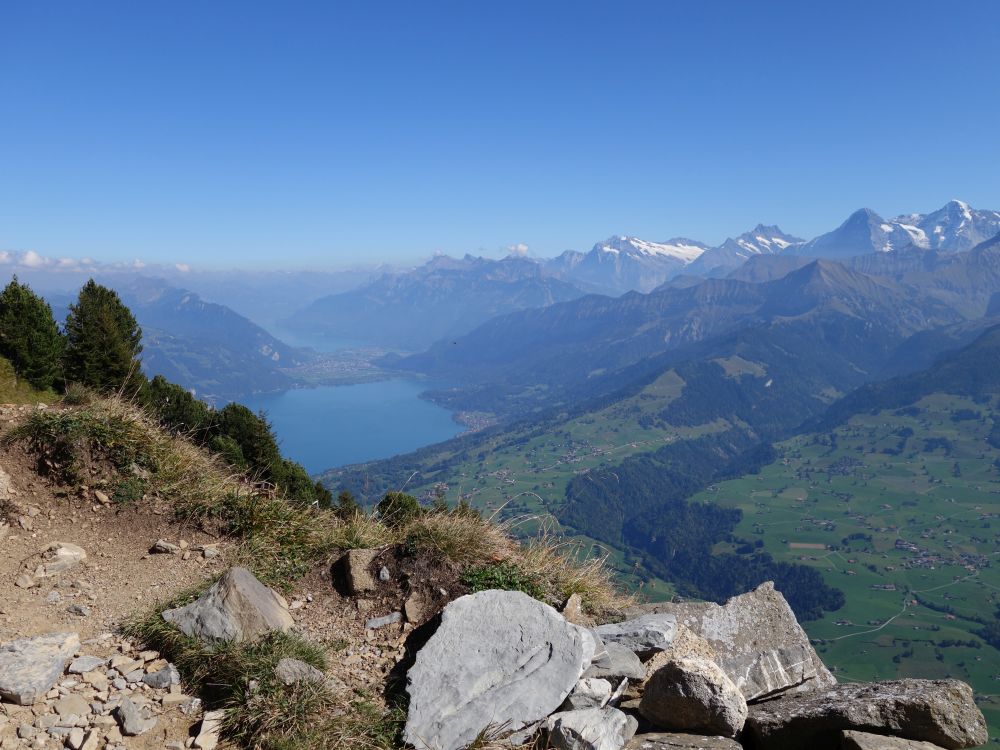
x=681 y=249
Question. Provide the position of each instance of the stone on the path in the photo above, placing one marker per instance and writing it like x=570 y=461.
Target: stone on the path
x=83 y=664
x=208 y=732
x=757 y=640
x=130 y=719
x=617 y=663
x=58 y=557
x=163 y=547
x=645 y=635
x=25 y=581
x=353 y=570
x=694 y=695
x=590 y=729
x=75 y=738
x=29 y=667
x=939 y=711
x=852 y=740
x=72 y=705
x=380 y=622
x=673 y=741
x=162 y=678
x=590 y=692
x=498 y=658
x=234 y=608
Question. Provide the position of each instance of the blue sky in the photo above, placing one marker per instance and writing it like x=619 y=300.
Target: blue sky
x=325 y=134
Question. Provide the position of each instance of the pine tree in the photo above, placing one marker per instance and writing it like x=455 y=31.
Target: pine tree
x=29 y=336
x=103 y=340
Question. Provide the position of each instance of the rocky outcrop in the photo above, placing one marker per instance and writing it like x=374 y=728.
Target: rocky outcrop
x=694 y=695
x=617 y=663
x=29 y=667
x=499 y=658
x=235 y=608
x=590 y=729
x=644 y=635
x=670 y=741
x=942 y=712
x=757 y=640
x=851 y=740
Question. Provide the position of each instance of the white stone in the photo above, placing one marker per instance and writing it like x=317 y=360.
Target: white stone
x=499 y=658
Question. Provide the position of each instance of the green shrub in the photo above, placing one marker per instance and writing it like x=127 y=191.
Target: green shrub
x=503 y=575
x=129 y=491
x=398 y=509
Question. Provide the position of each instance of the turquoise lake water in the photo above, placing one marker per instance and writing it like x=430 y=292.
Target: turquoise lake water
x=323 y=428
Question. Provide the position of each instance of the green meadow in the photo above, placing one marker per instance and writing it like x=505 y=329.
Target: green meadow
x=901 y=511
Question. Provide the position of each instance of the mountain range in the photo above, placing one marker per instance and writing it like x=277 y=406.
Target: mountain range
x=438 y=300
x=446 y=297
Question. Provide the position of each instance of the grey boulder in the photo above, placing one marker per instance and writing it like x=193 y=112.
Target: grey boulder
x=235 y=608
x=644 y=635
x=851 y=740
x=29 y=667
x=131 y=721
x=942 y=712
x=617 y=663
x=498 y=659
x=590 y=729
x=693 y=695
x=590 y=692
x=672 y=741
x=757 y=642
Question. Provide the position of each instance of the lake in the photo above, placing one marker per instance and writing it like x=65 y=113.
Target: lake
x=330 y=426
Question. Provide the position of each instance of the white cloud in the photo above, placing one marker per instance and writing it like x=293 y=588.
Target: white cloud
x=182 y=267
x=520 y=250
x=5 y=257
x=31 y=259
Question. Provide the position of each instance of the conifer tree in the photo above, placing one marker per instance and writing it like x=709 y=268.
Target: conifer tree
x=29 y=336
x=103 y=340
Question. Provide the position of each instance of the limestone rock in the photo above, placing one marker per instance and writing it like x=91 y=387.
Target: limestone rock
x=572 y=610
x=645 y=635
x=694 y=695
x=498 y=658
x=29 y=667
x=163 y=547
x=208 y=733
x=939 y=711
x=59 y=557
x=235 y=608
x=590 y=729
x=851 y=740
x=589 y=693
x=618 y=663
x=670 y=741
x=757 y=640
x=353 y=570
x=131 y=720
x=83 y=664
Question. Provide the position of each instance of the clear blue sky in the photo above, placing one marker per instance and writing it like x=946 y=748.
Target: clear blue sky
x=299 y=134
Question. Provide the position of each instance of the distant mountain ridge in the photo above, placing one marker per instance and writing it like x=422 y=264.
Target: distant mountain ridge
x=443 y=298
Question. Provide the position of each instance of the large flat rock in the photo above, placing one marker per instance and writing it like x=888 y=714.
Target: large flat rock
x=29 y=667
x=590 y=729
x=237 y=607
x=674 y=741
x=644 y=635
x=757 y=642
x=851 y=740
x=942 y=712
x=499 y=658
